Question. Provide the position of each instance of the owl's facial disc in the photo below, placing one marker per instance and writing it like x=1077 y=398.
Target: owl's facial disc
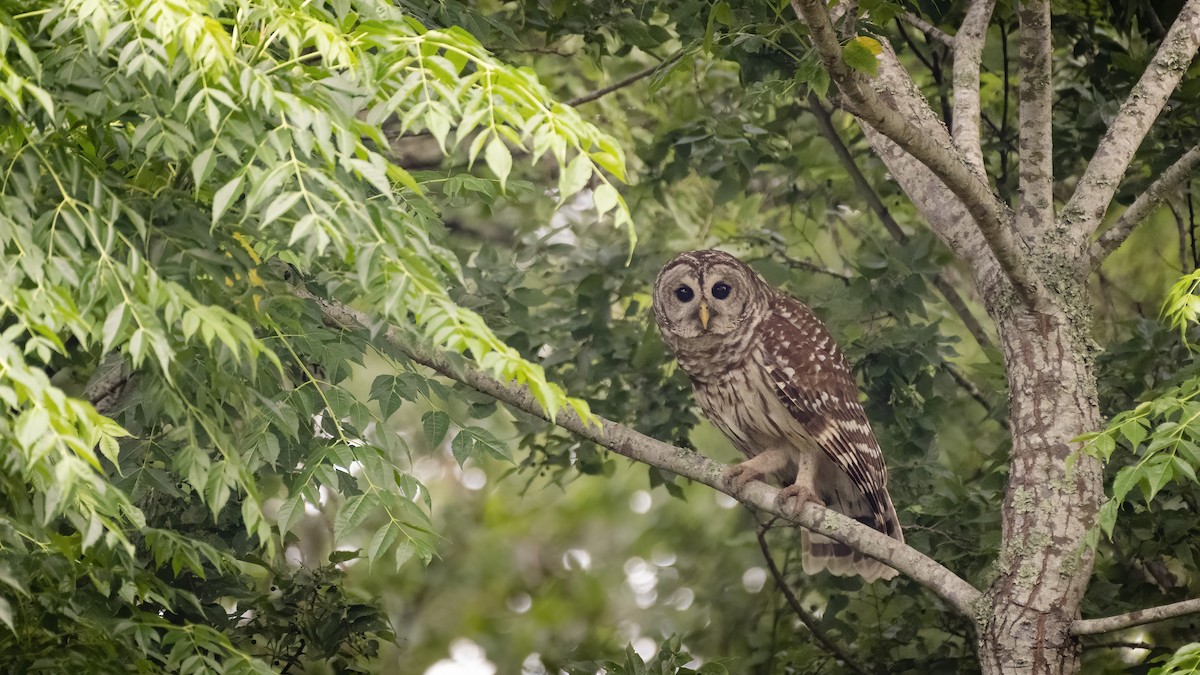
x=695 y=301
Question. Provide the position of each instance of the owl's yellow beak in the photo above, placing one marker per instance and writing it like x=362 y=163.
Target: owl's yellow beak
x=703 y=314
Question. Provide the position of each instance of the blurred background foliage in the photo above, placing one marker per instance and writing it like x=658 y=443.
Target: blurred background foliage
x=497 y=544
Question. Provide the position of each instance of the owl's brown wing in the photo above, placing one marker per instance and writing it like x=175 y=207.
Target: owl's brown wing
x=814 y=382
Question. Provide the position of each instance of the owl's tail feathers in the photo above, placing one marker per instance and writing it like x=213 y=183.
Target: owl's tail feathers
x=819 y=552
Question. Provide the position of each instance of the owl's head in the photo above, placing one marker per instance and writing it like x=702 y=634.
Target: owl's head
x=707 y=293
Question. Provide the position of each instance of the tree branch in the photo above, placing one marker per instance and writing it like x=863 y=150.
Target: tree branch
x=622 y=440
x=1085 y=210
x=935 y=151
x=810 y=622
x=1035 y=173
x=927 y=28
x=825 y=123
x=1141 y=616
x=625 y=82
x=968 y=54
x=1143 y=206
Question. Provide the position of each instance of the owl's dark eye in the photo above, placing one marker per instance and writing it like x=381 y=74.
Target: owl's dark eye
x=721 y=290
x=684 y=293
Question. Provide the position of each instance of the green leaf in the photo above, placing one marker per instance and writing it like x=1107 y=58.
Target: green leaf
x=1157 y=473
x=339 y=556
x=435 y=423
x=289 y=513
x=6 y=614
x=32 y=425
x=575 y=177
x=202 y=165
x=114 y=324
x=1134 y=431
x=858 y=55
x=352 y=513
x=224 y=195
x=1102 y=446
x=382 y=541
x=1182 y=467
x=605 y=198
x=498 y=159
x=462 y=447
x=279 y=206
x=484 y=439
x=1126 y=478
x=386 y=389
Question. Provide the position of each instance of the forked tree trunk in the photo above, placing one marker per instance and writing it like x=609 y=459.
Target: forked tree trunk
x=1025 y=615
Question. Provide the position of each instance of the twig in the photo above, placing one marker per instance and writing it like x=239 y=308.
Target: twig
x=1123 y=645
x=1136 y=618
x=1085 y=210
x=1144 y=205
x=806 y=617
x=624 y=441
x=625 y=81
x=973 y=391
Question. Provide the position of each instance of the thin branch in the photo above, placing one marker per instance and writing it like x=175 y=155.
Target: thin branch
x=927 y=28
x=622 y=440
x=1085 y=210
x=1035 y=173
x=625 y=81
x=913 y=45
x=973 y=391
x=956 y=302
x=811 y=622
x=1141 y=616
x=1185 y=260
x=990 y=214
x=1005 y=145
x=1144 y=205
x=968 y=54
x=1121 y=645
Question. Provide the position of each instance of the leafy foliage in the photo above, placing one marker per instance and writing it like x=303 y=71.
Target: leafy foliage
x=168 y=168
x=1182 y=662
x=205 y=475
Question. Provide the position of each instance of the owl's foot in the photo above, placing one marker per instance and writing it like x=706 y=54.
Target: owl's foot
x=759 y=467
x=793 y=497
x=738 y=476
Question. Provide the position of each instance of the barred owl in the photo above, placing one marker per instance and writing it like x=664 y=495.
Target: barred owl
x=767 y=373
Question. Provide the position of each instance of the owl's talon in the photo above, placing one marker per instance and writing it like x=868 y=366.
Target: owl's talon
x=793 y=497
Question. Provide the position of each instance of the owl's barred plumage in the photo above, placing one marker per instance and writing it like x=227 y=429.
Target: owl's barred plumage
x=767 y=373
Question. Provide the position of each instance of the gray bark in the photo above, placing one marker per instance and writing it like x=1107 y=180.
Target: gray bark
x=1025 y=623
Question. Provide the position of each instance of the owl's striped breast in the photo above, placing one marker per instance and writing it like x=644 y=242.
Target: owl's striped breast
x=743 y=404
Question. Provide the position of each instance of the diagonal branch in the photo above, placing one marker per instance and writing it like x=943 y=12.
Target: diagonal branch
x=625 y=81
x=1143 y=206
x=936 y=152
x=1035 y=175
x=622 y=440
x=1141 y=616
x=927 y=28
x=944 y=286
x=1085 y=210
x=968 y=54
x=806 y=617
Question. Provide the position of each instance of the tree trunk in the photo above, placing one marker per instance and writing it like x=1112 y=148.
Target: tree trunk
x=1044 y=564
